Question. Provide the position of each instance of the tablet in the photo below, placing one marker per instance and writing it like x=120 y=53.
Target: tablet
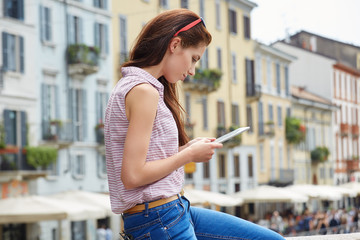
x=231 y=134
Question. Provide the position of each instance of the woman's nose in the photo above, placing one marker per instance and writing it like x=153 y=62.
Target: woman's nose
x=191 y=71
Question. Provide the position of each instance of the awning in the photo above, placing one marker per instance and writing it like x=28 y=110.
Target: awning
x=207 y=197
x=99 y=200
x=322 y=192
x=29 y=209
x=267 y=193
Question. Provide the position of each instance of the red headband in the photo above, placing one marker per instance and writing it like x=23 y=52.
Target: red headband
x=190 y=25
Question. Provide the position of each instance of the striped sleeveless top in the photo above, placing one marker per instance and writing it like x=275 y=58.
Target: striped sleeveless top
x=163 y=144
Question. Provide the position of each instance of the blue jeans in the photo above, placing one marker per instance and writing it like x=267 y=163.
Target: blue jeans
x=178 y=220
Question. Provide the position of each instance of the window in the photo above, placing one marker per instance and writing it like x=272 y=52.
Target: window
x=204 y=61
x=15 y=127
x=14 y=231
x=101 y=37
x=49 y=108
x=261 y=118
x=202 y=8
x=281 y=157
x=250 y=78
x=271 y=115
x=13 y=52
x=218 y=14
x=14 y=9
x=250 y=166
x=205 y=113
x=101 y=166
x=45 y=24
x=123 y=39
x=232 y=21
x=278 y=84
x=184 y=3
x=77 y=113
x=249 y=118
x=222 y=166
x=101 y=103
x=206 y=170
x=287 y=85
x=79 y=166
x=75 y=30
x=262 y=160
x=219 y=56
x=268 y=74
x=272 y=162
x=247 y=27
x=221 y=113
x=234 y=73
x=100 y=4
x=236 y=166
x=235 y=115
x=78 y=230
x=279 y=113
x=164 y=3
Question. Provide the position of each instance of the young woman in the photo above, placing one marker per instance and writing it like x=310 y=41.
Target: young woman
x=146 y=144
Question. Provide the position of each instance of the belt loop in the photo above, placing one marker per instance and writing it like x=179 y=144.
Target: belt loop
x=146 y=209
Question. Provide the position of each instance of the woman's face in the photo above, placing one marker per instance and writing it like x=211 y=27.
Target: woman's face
x=181 y=62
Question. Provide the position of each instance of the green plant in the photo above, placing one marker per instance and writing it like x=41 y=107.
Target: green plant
x=2 y=136
x=57 y=122
x=295 y=131
x=319 y=154
x=235 y=140
x=81 y=53
x=211 y=76
x=40 y=156
x=99 y=126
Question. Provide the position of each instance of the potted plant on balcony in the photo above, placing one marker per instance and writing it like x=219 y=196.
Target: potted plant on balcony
x=319 y=155
x=55 y=126
x=2 y=136
x=40 y=157
x=295 y=131
x=235 y=141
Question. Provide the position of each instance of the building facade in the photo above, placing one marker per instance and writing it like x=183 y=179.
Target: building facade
x=56 y=78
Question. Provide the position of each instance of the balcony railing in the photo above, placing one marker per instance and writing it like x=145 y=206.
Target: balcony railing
x=253 y=92
x=355 y=130
x=82 y=59
x=266 y=129
x=205 y=81
x=344 y=129
x=57 y=131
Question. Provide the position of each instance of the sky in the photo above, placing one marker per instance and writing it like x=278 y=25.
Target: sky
x=335 y=19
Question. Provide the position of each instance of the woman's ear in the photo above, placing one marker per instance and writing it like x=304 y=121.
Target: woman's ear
x=174 y=43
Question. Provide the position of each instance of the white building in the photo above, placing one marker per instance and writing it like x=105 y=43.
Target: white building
x=54 y=87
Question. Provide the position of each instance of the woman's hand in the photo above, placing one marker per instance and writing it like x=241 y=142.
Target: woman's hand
x=202 y=149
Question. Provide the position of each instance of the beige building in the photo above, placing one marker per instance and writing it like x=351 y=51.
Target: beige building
x=269 y=102
x=315 y=113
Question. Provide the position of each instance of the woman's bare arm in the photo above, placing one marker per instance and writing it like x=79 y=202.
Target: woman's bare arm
x=141 y=107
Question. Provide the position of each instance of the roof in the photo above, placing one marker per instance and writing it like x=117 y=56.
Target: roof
x=301 y=93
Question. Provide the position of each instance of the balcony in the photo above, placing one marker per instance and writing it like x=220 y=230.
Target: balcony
x=14 y=166
x=83 y=60
x=352 y=165
x=344 y=129
x=204 y=81
x=233 y=142
x=57 y=132
x=355 y=130
x=253 y=92
x=267 y=129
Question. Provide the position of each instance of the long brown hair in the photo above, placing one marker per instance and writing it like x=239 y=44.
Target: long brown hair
x=150 y=48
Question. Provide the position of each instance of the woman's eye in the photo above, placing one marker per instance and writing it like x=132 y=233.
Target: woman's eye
x=194 y=60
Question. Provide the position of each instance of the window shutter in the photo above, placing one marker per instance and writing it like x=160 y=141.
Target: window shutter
x=96 y=3
x=21 y=43
x=261 y=119
x=23 y=129
x=57 y=102
x=84 y=114
x=44 y=109
x=49 y=24
x=105 y=2
x=97 y=105
x=5 y=51
x=106 y=38
x=21 y=9
x=71 y=110
x=8 y=127
x=97 y=35
x=42 y=28
x=81 y=31
x=70 y=28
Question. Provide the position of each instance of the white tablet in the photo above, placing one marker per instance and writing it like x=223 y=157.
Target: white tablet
x=231 y=134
